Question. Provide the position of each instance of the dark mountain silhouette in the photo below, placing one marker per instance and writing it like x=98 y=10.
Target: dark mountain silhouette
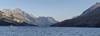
x=89 y=18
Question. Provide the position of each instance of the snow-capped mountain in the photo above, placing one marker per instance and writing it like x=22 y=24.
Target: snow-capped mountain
x=45 y=21
x=40 y=21
x=18 y=13
x=89 y=18
x=21 y=16
x=11 y=17
x=10 y=14
x=28 y=18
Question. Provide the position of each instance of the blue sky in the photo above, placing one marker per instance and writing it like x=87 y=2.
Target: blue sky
x=58 y=9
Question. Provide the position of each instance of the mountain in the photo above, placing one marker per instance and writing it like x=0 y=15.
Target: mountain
x=13 y=15
x=40 y=21
x=89 y=18
x=19 y=16
x=27 y=18
x=45 y=21
x=16 y=17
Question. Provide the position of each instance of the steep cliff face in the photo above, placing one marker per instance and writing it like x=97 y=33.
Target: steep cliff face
x=89 y=18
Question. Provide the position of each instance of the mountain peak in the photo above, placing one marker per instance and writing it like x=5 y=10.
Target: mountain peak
x=17 y=9
x=93 y=7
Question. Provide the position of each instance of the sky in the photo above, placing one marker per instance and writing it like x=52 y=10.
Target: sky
x=58 y=9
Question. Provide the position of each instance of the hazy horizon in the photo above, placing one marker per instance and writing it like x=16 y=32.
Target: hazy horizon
x=58 y=9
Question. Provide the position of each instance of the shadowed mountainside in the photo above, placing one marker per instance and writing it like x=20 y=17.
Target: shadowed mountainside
x=89 y=18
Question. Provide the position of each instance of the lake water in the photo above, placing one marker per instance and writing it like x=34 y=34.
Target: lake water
x=47 y=31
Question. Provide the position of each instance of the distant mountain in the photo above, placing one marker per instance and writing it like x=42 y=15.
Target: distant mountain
x=89 y=18
x=45 y=21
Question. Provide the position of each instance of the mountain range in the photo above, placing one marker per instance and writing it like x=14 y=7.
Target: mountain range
x=18 y=16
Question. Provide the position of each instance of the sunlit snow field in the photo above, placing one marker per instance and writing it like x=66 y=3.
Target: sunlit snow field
x=47 y=31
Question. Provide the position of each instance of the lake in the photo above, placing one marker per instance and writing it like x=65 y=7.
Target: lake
x=47 y=31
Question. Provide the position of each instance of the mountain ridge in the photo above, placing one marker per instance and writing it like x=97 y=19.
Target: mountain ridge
x=19 y=16
x=89 y=18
